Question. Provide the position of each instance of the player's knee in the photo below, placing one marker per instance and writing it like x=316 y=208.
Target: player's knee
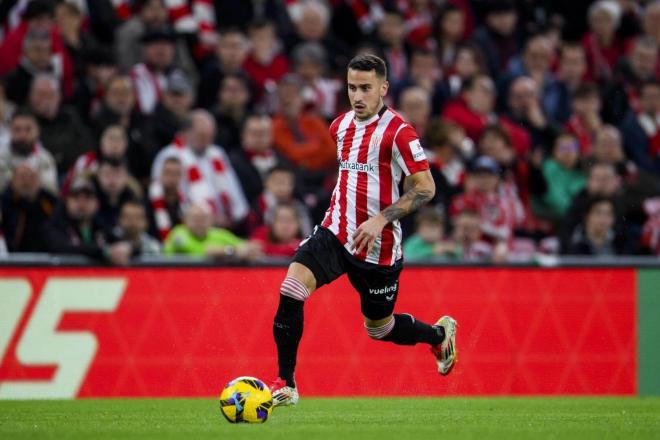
x=379 y=331
x=293 y=288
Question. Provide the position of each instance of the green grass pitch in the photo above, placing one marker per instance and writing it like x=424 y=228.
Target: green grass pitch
x=370 y=418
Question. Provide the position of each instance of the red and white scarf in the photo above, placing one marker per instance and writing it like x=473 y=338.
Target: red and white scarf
x=207 y=178
x=651 y=231
x=85 y=164
x=148 y=87
x=162 y=217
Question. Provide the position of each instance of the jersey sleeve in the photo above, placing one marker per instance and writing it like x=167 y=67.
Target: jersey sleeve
x=408 y=151
x=334 y=127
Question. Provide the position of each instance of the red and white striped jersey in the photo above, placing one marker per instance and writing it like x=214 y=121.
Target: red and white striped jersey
x=373 y=157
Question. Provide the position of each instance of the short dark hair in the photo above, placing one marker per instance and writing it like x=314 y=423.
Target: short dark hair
x=595 y=164
x=39 y=9
x=133 y=201
x=367 y=62
x=586 y=90
x=595 y=200
x=24 y=112
x=438 y=133
x=496 y=130
x=649 y=83
x=280 y=168
x=429 y=214
x=172 y=159
x=113 y=162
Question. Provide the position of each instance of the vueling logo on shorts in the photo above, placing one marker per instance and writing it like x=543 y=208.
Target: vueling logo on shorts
x=385 y=291
x=357 y=166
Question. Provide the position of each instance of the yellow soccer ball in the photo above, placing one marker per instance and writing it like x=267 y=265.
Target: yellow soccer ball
x=246 y=400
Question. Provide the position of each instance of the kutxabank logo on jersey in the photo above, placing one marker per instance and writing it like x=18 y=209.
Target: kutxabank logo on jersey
x=358 y=166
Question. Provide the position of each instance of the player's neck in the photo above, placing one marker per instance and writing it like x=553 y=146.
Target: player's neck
x=371 y=117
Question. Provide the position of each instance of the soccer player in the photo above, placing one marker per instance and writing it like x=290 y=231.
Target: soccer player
x=360 y=235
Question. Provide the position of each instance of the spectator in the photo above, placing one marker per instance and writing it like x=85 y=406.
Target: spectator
x=501 y=212
x=467 y=242
x=256 y=157
x=563 y=177
x=6 y=110
x=75 y=228
x=302 y=138
x=535 y=62
x=132 y=228
x=232 y=107
x=419 y=18
x=474 y=108
x=35 y=59
x=167 y=202
x=230 y=53
x=526 y=111
x=149 y=76
x=514 y=170
x=415 y=107
x=427 y=241
x=113 y=186
x=650 y=240
x=37 y=21
x=279 y=188
x=62 y=131
x=602 y=181
x=446 y=146
x=236 y=13
x=99 y=66
x=113 y=145
x=498 y=38
x=281 y=236
x=208 y=174
x=69 y=22
x=119 y=108
x=171 y=112
x=603 y=46
x=450 y=30
x=265 y=63
x=391 y=40
x=651 y=21
x=26 y=207
x=152 y=17
x=311 y=20
x=585 y=121
x=320 y=93
x=632 y=72
x=638 y=184
x=424 y=72
x=24 y=146
x=641 y=130
x=469 y=63
x=596 y=235
x=572 y=70
x=198 y=238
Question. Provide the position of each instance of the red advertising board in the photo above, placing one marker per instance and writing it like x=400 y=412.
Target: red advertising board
x=185 y=332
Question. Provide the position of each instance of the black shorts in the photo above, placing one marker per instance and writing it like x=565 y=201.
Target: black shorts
x=378 y=286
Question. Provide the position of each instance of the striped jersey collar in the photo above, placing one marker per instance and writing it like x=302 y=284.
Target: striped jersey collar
x=372 y=119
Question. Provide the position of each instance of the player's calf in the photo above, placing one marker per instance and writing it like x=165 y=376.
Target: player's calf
x=288 y=326
x=404 y=329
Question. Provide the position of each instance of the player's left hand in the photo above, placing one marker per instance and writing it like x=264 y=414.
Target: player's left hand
x=366 y=234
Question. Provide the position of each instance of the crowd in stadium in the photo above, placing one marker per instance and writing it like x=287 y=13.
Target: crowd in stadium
x=200 y=127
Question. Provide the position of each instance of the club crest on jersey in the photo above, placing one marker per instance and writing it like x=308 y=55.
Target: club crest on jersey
x=375 y=140
x=357 y=166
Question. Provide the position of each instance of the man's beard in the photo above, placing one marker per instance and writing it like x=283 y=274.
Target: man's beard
x=21 y=148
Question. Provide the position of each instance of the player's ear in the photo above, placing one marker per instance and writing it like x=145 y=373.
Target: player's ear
x=383 y=88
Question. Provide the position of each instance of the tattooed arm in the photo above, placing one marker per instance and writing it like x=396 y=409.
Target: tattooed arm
x=421 y=191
